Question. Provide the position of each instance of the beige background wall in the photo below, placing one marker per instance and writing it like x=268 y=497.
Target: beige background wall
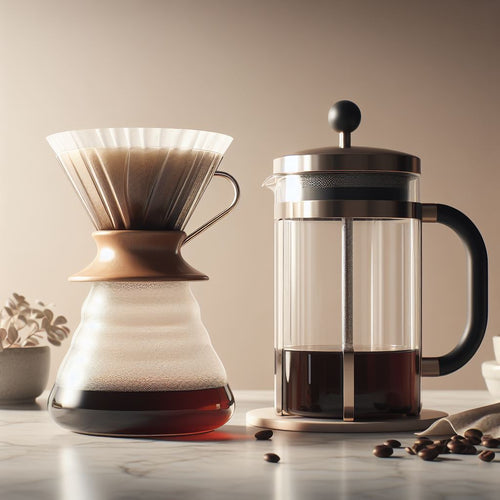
x=425 y=74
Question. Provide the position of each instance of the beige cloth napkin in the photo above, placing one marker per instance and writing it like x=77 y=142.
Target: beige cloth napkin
x=485 y=418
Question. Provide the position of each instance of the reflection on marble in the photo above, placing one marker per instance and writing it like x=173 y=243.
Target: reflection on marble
x=40 y=460
x=37 y=405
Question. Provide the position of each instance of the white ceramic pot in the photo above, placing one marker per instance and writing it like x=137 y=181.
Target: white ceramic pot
x=496 y=348
x=23 y=373
x=491 y=374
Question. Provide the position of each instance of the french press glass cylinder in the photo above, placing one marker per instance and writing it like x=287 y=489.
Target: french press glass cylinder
x=348 y=280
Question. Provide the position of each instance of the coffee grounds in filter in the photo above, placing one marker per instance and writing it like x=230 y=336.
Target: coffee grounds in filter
x=140 y=188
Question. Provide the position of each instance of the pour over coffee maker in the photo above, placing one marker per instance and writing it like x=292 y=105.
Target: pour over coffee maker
x=141 y=361
x=348 y=287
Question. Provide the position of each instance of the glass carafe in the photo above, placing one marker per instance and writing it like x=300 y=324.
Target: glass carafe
x=348 y=280
x=141 y=362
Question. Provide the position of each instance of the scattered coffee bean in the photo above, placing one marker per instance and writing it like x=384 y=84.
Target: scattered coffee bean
x=456 y=447
x=417 y=447
x=436 y=447
x=490 y=442
x=457 y=437
x=473 y=435
x=487 y=455
x=470 y=449
x=423 y=440
x=382 y=451
x=471 y=441
x=393 y=443
x=440 y=448
x=473 y=432
x=264 y=435
x=443 y=449
x=429 y=453
x=410 y=450
x=272 y=457
x=441 y=441
x=462 y=448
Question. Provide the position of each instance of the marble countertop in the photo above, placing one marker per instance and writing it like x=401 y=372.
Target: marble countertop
x=39 y=460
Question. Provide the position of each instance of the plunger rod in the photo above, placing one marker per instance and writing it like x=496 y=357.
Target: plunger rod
x=347 y=319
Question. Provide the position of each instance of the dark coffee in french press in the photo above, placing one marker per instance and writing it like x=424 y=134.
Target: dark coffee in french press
x=385 y=382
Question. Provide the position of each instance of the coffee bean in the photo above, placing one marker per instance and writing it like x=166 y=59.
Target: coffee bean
x=461 y=448
x=470 y=450
x=410 y=451
x=429 y=453
x=393 y=443
x=457 y=437
x=442 y=444
x=417 y=447
x=457 y=447
x=440 y=448
x=473 y=435
x=423 y=440
x=271 y=457
x=264 y=435
x=472 y=441
x=490 y=442
x=382 y=451
x=487 y=455
x=441 y=441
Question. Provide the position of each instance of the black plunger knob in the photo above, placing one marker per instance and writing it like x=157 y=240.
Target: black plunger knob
x=344 y=116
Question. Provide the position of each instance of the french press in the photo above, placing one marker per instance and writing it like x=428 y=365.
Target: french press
x=348 y=280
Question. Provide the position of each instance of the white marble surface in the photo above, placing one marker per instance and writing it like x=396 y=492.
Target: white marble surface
x=39 y=460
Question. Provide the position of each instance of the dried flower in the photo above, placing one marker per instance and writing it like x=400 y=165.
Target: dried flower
x=24 y=326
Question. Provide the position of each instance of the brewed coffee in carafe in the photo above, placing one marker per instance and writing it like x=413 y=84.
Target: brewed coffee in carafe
x=348 y=286
x=141 y=361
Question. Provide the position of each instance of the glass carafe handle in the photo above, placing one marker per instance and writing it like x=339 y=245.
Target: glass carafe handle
x=219 y=216
x=477 y=314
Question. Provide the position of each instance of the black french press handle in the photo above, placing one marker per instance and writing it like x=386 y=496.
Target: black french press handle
x=477 y=314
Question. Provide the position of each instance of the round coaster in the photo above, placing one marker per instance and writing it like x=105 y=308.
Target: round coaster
x=267 y=417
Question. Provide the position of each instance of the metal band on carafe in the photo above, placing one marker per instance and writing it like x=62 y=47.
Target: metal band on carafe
x=339 y=209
